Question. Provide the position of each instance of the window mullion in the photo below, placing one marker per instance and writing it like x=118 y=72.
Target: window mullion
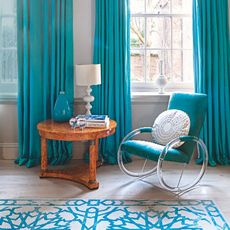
x=1 y=77
x=182 y=52
x=161 y=49
x=145 y=60
x=145 y=51
x=161 y=15
x=171 y=51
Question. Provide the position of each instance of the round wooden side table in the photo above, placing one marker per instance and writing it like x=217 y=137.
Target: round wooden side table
x=85 y=173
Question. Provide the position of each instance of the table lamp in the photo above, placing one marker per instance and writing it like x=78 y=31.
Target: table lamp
x=87 y=75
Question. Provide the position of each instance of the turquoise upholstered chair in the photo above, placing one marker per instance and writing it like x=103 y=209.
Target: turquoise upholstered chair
x=195 y=105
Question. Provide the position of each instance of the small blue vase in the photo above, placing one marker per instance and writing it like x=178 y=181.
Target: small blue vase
x=62 y=111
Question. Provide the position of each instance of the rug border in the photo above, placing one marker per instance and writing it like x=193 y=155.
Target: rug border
x=226 y=223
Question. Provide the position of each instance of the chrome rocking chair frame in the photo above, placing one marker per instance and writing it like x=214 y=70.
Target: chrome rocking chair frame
x=159 y=167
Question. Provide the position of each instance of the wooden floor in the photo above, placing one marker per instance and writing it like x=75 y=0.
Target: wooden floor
x=20 y=182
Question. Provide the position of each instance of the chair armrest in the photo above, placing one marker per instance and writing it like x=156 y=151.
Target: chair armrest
x=136 y=132
x=188 y=138
x=182 y=139
x=146 y=129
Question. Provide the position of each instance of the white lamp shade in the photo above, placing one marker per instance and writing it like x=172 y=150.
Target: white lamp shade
x=87 y=75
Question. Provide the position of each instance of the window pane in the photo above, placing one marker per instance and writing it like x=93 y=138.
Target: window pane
x=137 y=66
x=137 y=6
x=183 y=66
x=167 y=37
x=8 y=66
x=181 y=6
x=177 y=57
x=8 y=48
x=153 y=58
x=158 y=32
x=188 y=66
x=182 y=33
x=158 y=6
x=8 y=32
x=137 y=37
x=7 y=7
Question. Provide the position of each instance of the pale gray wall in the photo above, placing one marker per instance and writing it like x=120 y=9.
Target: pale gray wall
x=83 y=35
x=144 y=113
x=8 y=130
x=144 y=109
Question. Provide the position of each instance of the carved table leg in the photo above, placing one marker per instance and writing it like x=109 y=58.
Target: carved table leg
x=96 y=150
x=93 y=165
x=85 y=174
x=99 y=162
x=43 y=155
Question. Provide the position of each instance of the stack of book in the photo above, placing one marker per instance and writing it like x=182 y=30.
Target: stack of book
x=95 y=121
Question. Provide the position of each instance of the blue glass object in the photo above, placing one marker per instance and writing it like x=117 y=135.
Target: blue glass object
x=62 y=111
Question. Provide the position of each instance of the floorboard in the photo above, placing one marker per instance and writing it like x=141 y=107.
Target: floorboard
x=20 y=182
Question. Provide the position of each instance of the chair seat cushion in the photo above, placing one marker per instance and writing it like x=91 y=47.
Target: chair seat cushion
x=152 y=151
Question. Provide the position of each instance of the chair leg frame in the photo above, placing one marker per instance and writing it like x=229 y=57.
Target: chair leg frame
x=160 y=174
x=140 y=174
x=159 y=168
x=122 y=165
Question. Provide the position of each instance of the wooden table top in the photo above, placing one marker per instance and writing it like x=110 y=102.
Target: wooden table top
x=63 y=131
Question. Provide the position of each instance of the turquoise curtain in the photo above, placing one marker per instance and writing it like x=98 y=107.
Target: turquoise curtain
x=212 y=74
x=112 y=51
x=45 y=67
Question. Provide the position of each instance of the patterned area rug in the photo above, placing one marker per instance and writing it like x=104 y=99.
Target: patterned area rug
x=110 y=214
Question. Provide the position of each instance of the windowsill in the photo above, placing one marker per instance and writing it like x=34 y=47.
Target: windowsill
x=150 y=97
x=135 y=97
x=8 y=99
x=148 y=92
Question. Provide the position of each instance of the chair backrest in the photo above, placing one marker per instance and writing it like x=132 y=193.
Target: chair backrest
x=195 y=105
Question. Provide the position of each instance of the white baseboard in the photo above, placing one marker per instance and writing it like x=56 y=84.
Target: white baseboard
x=8 y=151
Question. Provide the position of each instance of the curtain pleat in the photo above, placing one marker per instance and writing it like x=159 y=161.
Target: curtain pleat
x=45 y=67
x=212 y=74
x=112 y=51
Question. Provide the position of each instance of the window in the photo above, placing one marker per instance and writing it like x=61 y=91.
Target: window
x=8 y=48
x=161 y=30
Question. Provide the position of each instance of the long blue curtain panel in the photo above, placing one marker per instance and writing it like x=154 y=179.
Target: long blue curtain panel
x=45 y=67
x=212 y=74
x=112 y=51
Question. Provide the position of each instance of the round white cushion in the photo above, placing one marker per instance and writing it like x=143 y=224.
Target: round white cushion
x=170 y=125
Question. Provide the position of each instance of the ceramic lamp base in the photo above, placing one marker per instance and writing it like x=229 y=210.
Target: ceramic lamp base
x=88 y=99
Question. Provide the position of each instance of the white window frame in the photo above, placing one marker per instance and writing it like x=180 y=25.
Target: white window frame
x=171 y=86
x=8 y=90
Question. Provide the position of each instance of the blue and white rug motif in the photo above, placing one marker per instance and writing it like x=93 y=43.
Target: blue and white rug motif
x=84 y=214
